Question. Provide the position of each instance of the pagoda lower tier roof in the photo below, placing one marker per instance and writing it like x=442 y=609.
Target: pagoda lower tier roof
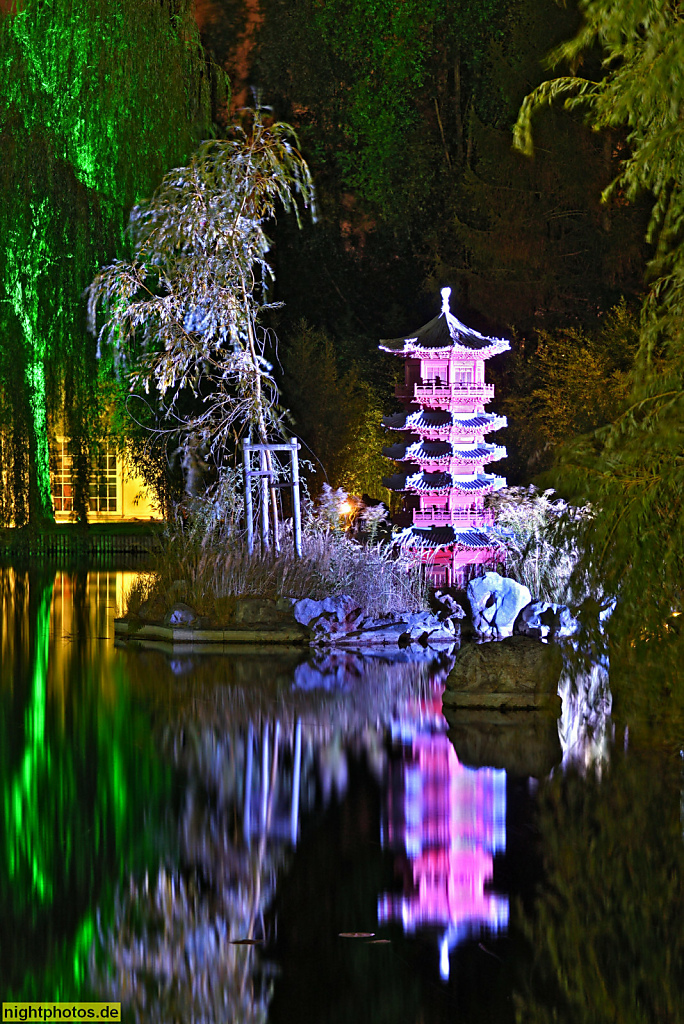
x=439 y=420
x=434 y=537
x=442 y=483
x=440 y=451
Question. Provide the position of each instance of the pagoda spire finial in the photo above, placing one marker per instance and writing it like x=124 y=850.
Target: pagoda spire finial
x=446 y=292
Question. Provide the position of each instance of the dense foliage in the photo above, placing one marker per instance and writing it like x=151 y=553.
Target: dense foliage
x=98 y=99
x=565 y=383
x=405 y=113
x=633 y=470
x=605 y=938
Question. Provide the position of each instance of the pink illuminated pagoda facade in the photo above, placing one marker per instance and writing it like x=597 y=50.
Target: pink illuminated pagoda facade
x=444 y=452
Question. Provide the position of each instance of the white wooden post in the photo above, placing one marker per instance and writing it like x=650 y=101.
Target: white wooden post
x=249 y=511
x=263 y=473
x=296 y=507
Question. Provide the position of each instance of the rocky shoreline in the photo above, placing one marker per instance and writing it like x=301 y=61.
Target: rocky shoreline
x=498 y=608
x=334 y=621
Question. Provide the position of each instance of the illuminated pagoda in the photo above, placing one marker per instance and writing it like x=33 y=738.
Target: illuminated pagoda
x=444 y=449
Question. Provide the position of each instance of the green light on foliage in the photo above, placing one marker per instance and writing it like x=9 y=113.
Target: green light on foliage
x=99 y=98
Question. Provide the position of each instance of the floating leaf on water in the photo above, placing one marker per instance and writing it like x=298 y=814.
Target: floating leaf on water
x=356 y=935
x=246 y=942
x=380 y=942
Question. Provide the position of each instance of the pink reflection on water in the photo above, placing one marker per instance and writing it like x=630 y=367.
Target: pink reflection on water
x=446 y=823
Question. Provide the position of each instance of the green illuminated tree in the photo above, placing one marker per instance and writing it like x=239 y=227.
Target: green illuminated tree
x=183 y=315
x=99 y=98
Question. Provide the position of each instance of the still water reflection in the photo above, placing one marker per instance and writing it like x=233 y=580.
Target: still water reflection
x=270 y=837
x=446 y=823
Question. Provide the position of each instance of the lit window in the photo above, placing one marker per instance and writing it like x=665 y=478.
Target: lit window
x=62 y=480
x=103 y=482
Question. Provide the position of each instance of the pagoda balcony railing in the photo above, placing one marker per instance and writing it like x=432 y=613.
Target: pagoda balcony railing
x=430 y=390
x=455 y=517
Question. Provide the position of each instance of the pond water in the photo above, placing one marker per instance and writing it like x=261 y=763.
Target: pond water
x=268 y=837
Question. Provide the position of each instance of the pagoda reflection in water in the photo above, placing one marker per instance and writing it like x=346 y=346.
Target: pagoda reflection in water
x=446 y=822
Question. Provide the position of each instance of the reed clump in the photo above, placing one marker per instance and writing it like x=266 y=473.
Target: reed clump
x=209 y=571
x=540 y=550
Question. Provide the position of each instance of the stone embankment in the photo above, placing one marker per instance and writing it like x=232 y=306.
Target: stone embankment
x=334 y=621
x=499 y=608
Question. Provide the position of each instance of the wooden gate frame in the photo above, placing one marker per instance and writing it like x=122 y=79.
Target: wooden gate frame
x=266 y=476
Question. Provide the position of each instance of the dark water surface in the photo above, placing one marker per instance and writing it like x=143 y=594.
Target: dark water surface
x=261 y=837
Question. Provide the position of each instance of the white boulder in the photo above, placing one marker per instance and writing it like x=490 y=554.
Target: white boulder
x=496 y=602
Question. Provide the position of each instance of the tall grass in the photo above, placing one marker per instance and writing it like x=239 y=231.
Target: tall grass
x=532 y=524
x=207 y=571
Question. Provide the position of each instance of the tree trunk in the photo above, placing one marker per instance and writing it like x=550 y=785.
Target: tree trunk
x=261 y=424
x=458 y=116
x=39 y=488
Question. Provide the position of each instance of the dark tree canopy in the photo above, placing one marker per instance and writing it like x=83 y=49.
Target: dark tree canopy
x=632 y=470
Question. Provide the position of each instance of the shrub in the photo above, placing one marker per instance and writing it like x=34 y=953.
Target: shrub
x=529 y=522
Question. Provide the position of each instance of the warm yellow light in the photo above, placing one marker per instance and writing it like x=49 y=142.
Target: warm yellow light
x=345 y=508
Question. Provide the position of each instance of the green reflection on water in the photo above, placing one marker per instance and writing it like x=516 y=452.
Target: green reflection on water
x=84 y=798
x=22 y=824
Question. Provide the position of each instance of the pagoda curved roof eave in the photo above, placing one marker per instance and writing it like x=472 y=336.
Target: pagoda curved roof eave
x=436 y=538
x=448 y=351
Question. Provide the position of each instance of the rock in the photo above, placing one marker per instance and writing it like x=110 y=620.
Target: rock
x=424 y=627
x=422 y=621
x=382 y=621
x=306 y=610
x=331 y=616
x=369 y=635
x=521 y=742
x=152 y=610
x=496 y=602
x=447 y=606
x=542 y=621
x=260 y=611
x=180 y=614
x=516 y=673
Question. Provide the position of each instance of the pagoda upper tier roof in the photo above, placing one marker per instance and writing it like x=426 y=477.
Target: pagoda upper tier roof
x=440 y=420
x=445 y=335
x=442 y=483
x=439 y=451
x=435 y=537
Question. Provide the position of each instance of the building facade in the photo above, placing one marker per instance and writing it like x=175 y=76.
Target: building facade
x=444 y=452
x=116 y=494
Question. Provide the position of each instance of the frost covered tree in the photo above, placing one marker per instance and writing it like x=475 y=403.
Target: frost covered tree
x=183 y=318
